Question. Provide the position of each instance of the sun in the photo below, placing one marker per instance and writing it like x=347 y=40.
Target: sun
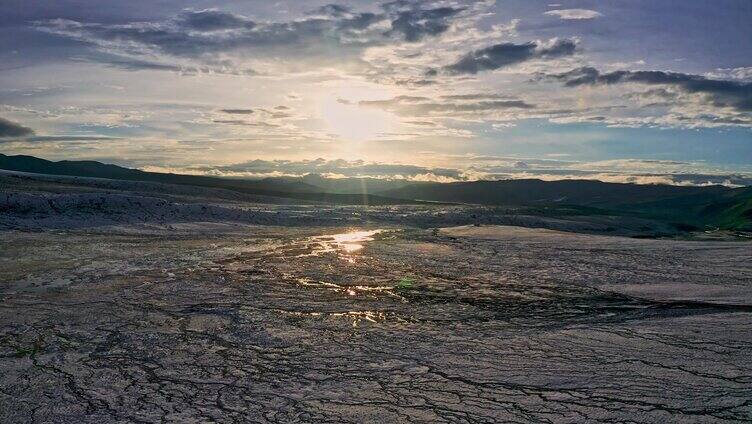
x=352 y=122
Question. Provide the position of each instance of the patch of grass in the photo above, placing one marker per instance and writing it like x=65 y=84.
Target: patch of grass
x=405 y=283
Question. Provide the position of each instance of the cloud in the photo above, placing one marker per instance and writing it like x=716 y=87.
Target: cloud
x=238 y=111
x=574 y=14
x=658 y=107
x=492 y=110
x=135 y=64
x=10 y=129
x=53 y=138
x=506 y=54
x=212 y=40
x=421 y=123
x=278 y=112
x=423 y=106
x=415 y=24
x=13 y=132
x=635 y=171
x=129 y=64
x=721 y=93
x=245 y=123
x=338 y=167
x=728 y=180
x=474 y=96
x=212 y=20
x=741 y=73
x=335 y=10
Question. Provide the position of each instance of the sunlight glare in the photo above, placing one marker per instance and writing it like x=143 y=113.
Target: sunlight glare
x=353 y=122
x=353 y=241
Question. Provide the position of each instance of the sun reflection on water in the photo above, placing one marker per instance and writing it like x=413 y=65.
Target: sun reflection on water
x=344 y=243
x=353 y=241
x=347 y=246
x=356 y=318
x=353 y=290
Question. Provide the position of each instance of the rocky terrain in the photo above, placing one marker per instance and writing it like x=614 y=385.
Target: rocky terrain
x=36 y=202
x=233 y=311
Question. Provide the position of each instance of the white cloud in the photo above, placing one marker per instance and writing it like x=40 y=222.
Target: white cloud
x=336 y=64
x=741 y=73
x=574 y=14
x=634 y=171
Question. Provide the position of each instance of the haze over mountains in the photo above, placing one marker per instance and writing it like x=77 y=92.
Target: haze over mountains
x=686 y=207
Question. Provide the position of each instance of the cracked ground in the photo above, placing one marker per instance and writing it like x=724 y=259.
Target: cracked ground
x=212 y=323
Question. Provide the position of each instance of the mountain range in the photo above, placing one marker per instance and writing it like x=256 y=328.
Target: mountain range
x=690 y=207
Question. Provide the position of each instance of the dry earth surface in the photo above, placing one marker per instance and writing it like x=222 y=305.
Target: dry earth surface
x=208 y=322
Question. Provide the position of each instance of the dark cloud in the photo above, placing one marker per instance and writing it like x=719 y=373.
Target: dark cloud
x=421 y=106
x=345 y=18
x=260 y=124
x=506 y=54
x=335 y=10
x=655 y=93
x=422 y=123
x=722 y=93
x=545 y=163
x=279 y=112
x=479 y=106
x=10 y=129
x=208 y=35
x=53 y=138
x=135 y=64
x=212 y=20
x=72 y=139
x=416 y=24
x=274 y=114
x=129 y=64
x=238 y=111
x=414 y=82
x=474 y=96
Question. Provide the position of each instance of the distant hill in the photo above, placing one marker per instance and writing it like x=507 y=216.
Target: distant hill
x=267 y=187
x=690 y=207
x=735 y=211
x=538 y=192
x=685 y=206
x=352 y=185
x=95 y=169
x=730 y=209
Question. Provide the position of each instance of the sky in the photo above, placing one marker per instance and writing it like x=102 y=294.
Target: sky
x=632 y=91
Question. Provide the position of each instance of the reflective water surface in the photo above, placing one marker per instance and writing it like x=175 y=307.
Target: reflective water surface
x=345 y=243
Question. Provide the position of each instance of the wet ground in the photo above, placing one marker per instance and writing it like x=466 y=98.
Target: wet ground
x=214 y=323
